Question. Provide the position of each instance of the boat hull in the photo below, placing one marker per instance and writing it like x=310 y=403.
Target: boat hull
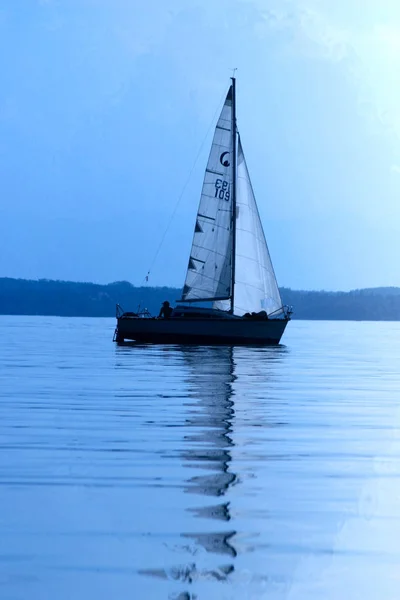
x=200 y=331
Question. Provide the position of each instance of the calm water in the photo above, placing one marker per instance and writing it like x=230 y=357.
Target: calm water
x=207 y=473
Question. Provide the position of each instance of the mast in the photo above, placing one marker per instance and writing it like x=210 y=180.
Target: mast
x=234 y=152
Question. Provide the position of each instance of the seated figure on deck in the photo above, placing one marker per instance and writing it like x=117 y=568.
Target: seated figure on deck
x=256 y=316
x=166 y=310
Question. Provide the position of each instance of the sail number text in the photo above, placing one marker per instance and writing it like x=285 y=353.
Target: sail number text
x=222 y=190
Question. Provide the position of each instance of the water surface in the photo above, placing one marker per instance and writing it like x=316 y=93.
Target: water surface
x=182 y=472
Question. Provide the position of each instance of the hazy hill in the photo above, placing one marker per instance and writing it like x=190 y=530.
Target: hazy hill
x=66 y=298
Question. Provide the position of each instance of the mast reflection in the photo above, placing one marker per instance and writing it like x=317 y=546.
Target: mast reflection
x=207 y=446
x=210 y=381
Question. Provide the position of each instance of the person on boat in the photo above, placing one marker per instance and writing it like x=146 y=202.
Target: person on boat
x=257 y=316
x=166 y=310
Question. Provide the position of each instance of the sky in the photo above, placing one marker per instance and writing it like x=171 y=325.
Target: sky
x=107 y=109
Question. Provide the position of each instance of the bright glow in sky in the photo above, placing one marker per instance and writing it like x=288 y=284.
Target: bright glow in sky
x=105 y=103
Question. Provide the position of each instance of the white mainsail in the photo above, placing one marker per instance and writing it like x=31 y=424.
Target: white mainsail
x=209 y=273
x=256 y=287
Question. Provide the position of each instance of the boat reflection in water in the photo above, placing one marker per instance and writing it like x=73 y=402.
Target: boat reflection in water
x=215 y=435
x=207 y=449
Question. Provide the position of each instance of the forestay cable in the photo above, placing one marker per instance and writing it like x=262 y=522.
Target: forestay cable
x=146 y=279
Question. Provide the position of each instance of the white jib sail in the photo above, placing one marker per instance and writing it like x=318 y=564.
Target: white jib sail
x=209 y=270
x=256 y=287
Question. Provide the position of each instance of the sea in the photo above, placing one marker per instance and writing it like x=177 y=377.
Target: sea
x=183 y=472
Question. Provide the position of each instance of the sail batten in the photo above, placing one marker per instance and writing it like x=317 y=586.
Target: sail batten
x=214 y=172
x=212 y=238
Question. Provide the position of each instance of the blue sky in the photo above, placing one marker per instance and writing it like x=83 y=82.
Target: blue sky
x=104 y=105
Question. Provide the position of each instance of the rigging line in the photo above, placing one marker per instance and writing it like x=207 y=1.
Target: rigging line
x=184 y=187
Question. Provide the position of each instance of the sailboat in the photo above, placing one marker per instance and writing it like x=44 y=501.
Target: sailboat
x=229 y=266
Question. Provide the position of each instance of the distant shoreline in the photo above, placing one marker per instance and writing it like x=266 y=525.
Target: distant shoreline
x=45 y=297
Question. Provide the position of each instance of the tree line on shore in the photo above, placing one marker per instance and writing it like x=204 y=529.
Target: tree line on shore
x=66 y=298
